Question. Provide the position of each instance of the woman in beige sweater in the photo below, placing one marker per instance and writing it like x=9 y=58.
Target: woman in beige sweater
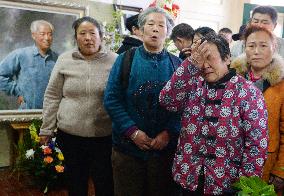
x=73 y=105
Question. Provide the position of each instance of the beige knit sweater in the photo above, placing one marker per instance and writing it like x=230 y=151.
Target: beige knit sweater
x=73 y=100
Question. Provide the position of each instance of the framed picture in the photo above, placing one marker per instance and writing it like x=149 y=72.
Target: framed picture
x=15 y=20
x=127 y=12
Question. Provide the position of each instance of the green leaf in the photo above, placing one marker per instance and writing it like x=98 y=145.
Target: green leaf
x=253 y=186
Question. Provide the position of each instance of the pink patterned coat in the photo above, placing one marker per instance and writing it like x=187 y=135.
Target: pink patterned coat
x=224 y=129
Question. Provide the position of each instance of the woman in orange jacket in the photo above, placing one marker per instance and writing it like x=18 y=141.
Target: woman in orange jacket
x=261 y=65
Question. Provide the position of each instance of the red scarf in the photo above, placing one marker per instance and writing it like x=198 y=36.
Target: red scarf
x=252 y=77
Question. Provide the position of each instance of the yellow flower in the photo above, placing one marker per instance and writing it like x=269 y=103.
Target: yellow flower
x=34 y=136
x=37 y=139
x=59 y=168
x=48 y=159
x=60 y=156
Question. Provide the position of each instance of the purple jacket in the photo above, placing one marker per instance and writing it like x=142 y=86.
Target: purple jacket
x=224 y=129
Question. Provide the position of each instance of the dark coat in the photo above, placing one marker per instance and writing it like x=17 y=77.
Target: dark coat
x=128 y=43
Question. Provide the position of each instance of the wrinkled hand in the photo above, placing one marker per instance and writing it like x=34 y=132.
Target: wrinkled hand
x=20 y=100
x=186 y=51
x=200 y=53
x=277 y=182
x=160 y=141
x=142 y=140
x=44 y=139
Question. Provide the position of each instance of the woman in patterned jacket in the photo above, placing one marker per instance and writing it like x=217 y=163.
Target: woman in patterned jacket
x=265 y=69
x=224 y=121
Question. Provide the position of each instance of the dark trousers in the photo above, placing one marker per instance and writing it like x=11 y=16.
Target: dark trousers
x=86 y=157
x=136 y=177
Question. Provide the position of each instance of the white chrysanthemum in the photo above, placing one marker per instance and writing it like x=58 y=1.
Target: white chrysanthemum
x=57 y=150
x=30 y=154
x=43 y=147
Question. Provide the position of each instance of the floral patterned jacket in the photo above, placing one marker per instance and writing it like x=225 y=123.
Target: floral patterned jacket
x=224 y=129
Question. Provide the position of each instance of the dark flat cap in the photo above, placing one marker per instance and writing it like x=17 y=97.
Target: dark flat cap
x=131 y=21
x=242 y=30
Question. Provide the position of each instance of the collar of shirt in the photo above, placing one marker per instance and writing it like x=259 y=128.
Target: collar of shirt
x=36 y=52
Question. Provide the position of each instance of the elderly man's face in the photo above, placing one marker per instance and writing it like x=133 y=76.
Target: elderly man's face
x=43 y=37
x=155 y=32
x=214 y=68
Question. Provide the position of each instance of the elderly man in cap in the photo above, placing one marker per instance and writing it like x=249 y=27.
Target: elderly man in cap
x=133 y=40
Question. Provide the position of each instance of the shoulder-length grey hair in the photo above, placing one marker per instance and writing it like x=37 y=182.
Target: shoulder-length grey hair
x=143 y=18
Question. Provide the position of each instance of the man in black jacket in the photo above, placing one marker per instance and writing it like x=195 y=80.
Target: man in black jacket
x=133 y=40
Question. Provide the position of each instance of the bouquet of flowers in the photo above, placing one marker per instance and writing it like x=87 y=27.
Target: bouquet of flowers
x=168 y=5
x=44 y=163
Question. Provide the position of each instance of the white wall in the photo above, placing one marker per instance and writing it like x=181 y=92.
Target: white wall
x=213 y=13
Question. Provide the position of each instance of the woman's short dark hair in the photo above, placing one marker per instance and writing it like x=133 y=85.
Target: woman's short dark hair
x=204 y=31
x=182 y=30
x=221 y=43
x=79 y=21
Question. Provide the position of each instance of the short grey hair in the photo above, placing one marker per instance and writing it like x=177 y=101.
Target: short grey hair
x=143 y=17
x=35 y=25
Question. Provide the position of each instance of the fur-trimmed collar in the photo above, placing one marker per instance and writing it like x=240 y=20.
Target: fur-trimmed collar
x=274 y=72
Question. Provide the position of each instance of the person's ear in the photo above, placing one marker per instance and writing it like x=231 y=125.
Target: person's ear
x=133 y=29
x=275 y=25
x=33 y=36
x=227 y=60
x=178 y=39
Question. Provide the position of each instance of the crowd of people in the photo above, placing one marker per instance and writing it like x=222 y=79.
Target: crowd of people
x=144 y=122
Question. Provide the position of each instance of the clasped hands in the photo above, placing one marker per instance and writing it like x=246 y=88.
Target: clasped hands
x=144 y=142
